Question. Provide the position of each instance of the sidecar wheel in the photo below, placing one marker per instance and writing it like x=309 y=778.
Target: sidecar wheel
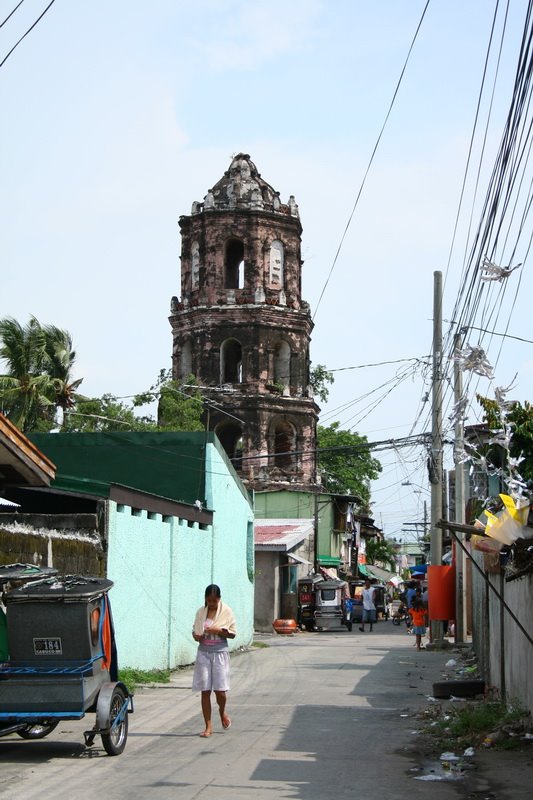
x=114 y=742
x=39 y=730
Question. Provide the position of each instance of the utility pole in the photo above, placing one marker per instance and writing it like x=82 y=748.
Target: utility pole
x=436 y=442
x=460 y=555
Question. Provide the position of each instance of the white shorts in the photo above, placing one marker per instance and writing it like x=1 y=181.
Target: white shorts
x=211 y=671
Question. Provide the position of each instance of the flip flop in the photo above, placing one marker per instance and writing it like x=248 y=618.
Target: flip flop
x=226 y=724
x=204 y=735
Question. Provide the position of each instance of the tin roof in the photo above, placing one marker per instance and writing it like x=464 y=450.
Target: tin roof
x=281 y=534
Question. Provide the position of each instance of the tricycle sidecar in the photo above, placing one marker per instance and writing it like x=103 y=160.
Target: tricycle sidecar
x=322 y=604
x=62 y=661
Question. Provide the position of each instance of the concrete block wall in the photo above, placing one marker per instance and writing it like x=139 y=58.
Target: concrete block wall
x=161 y=567
x=232 y=566
x=503 y=651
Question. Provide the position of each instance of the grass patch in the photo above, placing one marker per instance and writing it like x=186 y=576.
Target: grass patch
x=136 y=677
x=479 y=723
x=260 y=644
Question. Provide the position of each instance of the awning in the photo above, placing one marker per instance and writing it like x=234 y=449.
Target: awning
x=420 y=568
x=329 y=561
x=381 y=574
x=299 y=559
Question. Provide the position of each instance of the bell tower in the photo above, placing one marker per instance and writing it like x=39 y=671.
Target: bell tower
x=242 y=329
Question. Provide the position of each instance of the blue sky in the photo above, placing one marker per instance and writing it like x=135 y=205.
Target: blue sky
x=116 y=116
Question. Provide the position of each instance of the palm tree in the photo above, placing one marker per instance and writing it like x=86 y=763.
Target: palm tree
x=25 y=389
x=38 y=379
x=59 y=362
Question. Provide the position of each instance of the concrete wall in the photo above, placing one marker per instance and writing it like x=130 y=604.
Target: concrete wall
x=232 y=560
x=161 y=567
x=140 y=563
x=267 y=590
x=504 y=653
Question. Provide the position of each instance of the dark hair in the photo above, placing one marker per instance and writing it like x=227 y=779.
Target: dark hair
x=212 y=589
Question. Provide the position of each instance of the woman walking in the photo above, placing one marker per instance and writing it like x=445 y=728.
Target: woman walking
x=214 y=624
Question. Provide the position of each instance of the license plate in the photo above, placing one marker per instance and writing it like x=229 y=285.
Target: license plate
x=50 y=646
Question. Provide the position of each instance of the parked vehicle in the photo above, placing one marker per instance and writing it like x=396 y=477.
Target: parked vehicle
x=322 y=604
x=380 y=600
x=62 y=660
x=398 y=613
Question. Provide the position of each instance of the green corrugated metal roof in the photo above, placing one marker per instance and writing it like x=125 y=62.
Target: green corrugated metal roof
x=167 y=464
x=329 y=561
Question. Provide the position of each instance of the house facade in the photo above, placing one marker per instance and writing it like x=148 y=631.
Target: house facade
x=160 y=514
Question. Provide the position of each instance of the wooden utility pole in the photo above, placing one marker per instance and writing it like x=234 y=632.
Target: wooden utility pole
x=436 y=443
x=460 y=555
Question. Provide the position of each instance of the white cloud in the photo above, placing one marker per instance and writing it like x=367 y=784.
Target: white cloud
x=250 y=34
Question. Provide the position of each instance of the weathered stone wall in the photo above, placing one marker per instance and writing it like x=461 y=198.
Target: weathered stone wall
x=257 y=231
x=71 y=551
x=242 y=329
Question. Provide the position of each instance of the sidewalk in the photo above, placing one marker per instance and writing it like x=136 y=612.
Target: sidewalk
x=491 y=772
x=315 y=715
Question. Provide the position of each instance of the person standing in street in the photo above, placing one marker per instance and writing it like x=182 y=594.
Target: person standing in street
x=418 y=614
x=214 y=624
x=369 y=607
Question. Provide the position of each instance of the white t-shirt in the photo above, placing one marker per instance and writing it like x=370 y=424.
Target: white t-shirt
x=368 y=600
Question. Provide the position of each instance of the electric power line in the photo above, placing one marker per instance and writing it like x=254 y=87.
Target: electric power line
x=27 y=32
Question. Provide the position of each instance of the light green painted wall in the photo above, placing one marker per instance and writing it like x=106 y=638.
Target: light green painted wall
x=286 y=504
x=139 y=564
x=161 y=568
x=232 y=566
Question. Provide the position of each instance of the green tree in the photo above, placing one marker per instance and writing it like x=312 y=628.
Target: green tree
x=104 y=414
x=319 y=379
x=59 y=363
x=380 y=552
x=179 y=408
x=38 y=382
x=26 y=389
x=345 y=462
x=520 y=418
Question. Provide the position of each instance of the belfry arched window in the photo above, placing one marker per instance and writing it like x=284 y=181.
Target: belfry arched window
x=234 y=264
x=282 y=363
x=282 y=445
x=231 y=362
x=186 y=360
x=277 y=259
x=230 y=436
x=195 y=265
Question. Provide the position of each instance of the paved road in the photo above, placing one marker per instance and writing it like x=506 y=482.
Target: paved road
x=315 y=716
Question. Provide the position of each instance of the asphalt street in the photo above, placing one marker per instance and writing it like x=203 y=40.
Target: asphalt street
x=314 y=716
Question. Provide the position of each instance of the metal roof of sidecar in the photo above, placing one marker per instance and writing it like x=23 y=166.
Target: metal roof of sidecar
x=68 y=587
x=24 y=572
x=329 y=584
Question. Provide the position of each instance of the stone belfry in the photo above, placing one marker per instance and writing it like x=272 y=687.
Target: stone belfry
x=242 y=329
